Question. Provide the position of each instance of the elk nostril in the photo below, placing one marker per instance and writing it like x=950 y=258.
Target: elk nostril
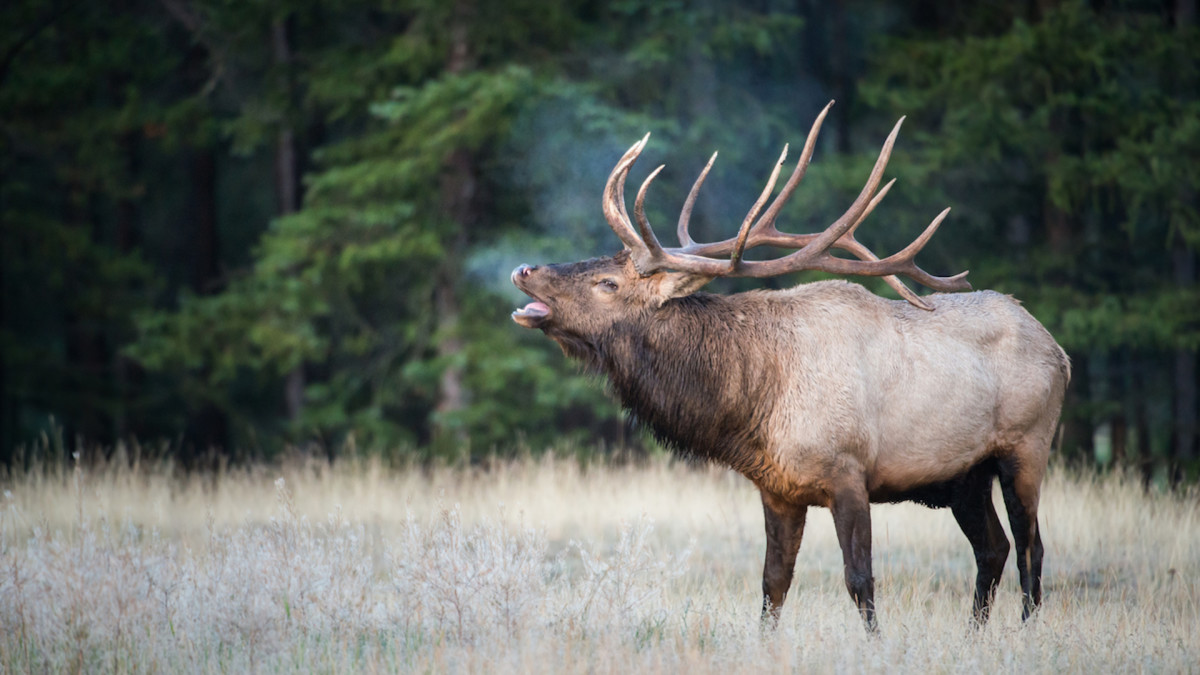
x=524 y=270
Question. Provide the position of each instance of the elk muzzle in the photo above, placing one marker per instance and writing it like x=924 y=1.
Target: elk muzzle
x=536 y=313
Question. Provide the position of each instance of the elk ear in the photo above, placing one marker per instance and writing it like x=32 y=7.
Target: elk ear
x=679 y=284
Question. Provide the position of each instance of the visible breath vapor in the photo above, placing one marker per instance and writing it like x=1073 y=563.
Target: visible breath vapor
x=559 y=155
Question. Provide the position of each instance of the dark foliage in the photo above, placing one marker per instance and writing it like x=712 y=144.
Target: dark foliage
x=247 y=225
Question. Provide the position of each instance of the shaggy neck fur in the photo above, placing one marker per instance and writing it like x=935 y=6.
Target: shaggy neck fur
x=679 y=370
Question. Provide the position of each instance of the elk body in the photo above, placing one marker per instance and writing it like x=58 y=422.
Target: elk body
x=823 y=394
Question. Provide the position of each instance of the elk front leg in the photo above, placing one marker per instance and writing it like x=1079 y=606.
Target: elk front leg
x=785 y=527
x=852 y=520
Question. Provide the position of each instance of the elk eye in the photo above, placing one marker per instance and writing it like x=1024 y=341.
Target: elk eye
x=607 y=285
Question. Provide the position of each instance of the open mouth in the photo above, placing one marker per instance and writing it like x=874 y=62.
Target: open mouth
x=532 y=315
x=536 y=313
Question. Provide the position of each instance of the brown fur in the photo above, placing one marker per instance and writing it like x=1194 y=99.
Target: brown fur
x=827 y=395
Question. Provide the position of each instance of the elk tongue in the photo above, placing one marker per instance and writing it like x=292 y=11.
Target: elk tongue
x=534 y=310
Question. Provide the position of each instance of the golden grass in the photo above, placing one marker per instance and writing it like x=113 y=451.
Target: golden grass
x=544 y=565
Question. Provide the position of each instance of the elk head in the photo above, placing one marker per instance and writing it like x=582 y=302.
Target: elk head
x=574 y=301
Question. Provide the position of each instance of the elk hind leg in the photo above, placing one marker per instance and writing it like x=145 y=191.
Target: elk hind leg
x=852 y=520
x=785 y=527
x=976 y=515
x=1020 y=483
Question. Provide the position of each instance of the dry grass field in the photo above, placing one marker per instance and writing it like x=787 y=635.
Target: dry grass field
x=550 y=566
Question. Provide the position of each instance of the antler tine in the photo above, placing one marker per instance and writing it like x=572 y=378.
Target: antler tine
x=681 y=230
x=870 y=207
x=821 y=243
x=810 y=144
x=614 y=197
x=625 y=175
x=910 y=251
x=958 y=282
x=897 y=263
x=744 y=230
x=849 y=243
x=639 y=211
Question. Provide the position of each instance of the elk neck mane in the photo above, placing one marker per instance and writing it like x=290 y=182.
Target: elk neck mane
x=688 y=372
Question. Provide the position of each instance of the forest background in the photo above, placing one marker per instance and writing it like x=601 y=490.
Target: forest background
x=231 y=227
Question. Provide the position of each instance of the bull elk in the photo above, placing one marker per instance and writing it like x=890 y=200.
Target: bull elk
x=823 y=394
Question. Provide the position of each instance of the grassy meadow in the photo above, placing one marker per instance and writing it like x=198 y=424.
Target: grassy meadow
x=553 y=565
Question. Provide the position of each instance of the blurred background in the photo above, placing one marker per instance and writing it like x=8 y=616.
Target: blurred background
x=234 y=227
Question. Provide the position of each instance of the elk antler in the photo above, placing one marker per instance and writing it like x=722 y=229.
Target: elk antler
x=813 y=249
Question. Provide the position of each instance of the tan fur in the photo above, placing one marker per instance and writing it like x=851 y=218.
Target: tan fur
x=902 y=396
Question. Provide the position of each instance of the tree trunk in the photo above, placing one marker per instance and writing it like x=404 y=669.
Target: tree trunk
x=209 y=426
x=1139 y=396
x=8 y=416
x=1059 y=230
x=826 y=58
x=458 y=206
x=1102 y=420
x=1184 y=264
x=7 y=423
x=287 y=189
x=841 y=78
x=1185 y=13
x=287 y=193
x=127 y=374
x=702 y=88
x=82 y=385
x=1077 y=429
x=458 y=190
x=205 y=241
